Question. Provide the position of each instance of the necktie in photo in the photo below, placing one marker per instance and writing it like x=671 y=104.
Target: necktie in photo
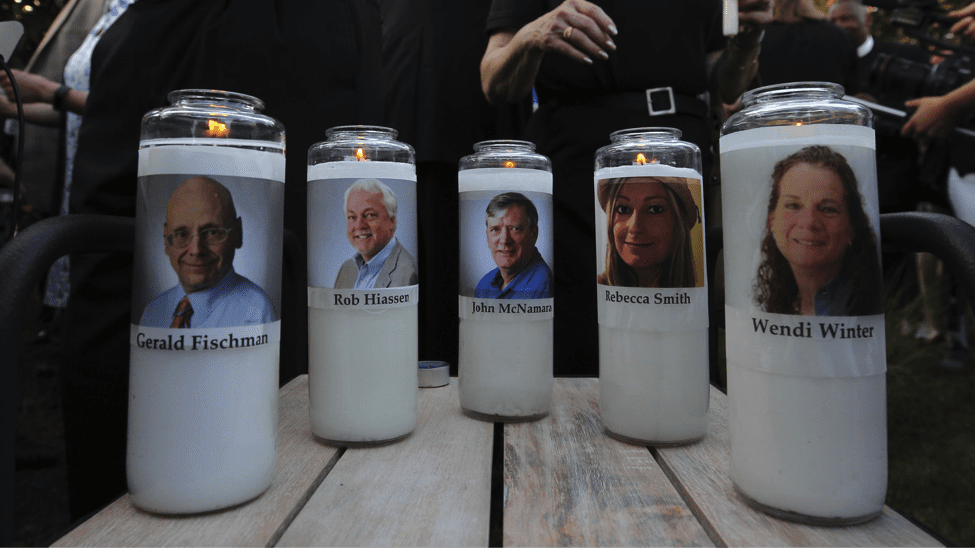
x=181 y=317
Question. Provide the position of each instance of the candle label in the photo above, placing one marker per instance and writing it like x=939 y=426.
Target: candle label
x=650 y=267
x=803 y=283
x=362 y=236
x=208 y=233
x=365 y=299
x=506 y=254
x=193 y=340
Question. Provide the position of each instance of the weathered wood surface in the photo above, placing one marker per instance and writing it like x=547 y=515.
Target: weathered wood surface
x=568 y=484
x=302 y=462
x=430 y=489
x=702 y=471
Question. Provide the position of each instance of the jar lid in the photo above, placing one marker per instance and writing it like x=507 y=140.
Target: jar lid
x=792 y=90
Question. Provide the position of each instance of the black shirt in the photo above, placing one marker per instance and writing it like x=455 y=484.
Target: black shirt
x=810 y=51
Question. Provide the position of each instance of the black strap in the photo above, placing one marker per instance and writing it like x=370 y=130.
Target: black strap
x=637 y=100
x=58 y=101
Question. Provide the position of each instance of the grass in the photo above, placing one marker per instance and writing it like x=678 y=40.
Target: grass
x=930 y=416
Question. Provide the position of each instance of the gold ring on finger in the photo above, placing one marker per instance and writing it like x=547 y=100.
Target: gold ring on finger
x=567 y=33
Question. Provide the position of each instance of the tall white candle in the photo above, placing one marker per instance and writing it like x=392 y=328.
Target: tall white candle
x=362 y=344
x=505 y=352
x=653 y=351
x=202 y=421
x=807 y=393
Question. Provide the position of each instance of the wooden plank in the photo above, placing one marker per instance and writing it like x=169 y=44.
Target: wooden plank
x=302 y=462
x=568 y=483
x=702 y=472
x=430 y=489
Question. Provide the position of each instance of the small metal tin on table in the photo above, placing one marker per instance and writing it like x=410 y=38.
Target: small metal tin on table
x=433 y=374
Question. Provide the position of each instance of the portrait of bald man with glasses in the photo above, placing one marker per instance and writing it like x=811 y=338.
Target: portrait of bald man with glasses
x=202 y=233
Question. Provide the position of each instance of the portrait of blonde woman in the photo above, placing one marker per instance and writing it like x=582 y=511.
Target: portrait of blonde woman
x=648 y=232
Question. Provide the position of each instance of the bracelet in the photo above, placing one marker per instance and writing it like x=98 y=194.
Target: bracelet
x=59 y=95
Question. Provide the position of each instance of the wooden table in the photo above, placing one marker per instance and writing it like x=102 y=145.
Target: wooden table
x=564 y=483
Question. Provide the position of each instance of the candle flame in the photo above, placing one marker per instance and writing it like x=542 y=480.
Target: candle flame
x=798 y=124
x=216 y=129
x=641 y=159
x=360 y=155
x=509 y=163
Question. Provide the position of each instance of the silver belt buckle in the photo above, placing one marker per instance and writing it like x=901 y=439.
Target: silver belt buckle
x=670 y=93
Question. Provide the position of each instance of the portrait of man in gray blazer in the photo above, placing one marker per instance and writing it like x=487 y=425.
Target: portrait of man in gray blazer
x=380 y=261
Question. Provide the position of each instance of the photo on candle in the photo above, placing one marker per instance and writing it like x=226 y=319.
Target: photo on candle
x=649 y=232
x=811 y=238
x=208 y=251
x=506 y=249
x=362 y=233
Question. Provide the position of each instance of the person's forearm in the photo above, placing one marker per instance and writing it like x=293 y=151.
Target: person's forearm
x=737 y=65
x=509 y=67
x=962 y=99
x=34 y=113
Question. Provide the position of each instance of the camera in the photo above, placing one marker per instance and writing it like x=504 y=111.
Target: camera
x=909 y=79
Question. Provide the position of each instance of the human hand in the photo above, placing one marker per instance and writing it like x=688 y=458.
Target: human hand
x=754 y=15
x=933 y=120
x=965 y=25
x=33 y=88
x=577 y=29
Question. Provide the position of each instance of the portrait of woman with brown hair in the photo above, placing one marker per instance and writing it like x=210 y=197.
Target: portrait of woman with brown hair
x=648 y=232
x=819 y=254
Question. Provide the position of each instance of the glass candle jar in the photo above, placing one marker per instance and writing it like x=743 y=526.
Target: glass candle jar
x=805 y=334
x=362 y=286
x=651 y=288
x=205 y=334
x=505 y=302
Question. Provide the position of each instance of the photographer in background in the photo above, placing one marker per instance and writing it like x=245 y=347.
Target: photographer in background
x=856 y=19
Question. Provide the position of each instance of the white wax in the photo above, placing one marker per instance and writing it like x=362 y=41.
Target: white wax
x=202 y=427
x=812 y=446
x=362 y=373
x=653 y=385
x=505 y=368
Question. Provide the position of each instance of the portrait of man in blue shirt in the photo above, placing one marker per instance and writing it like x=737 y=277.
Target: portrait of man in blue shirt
x=380 y=260
x=202 y=233
x=512 y=231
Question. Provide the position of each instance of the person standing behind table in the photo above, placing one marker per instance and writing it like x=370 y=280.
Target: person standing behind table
x=43 y=143
x=380 y=261
x=591 y=66
x=802 y=46
x=511 y=221
x=45 y=101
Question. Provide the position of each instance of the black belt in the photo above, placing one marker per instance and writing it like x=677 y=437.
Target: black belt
x=656 y=101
